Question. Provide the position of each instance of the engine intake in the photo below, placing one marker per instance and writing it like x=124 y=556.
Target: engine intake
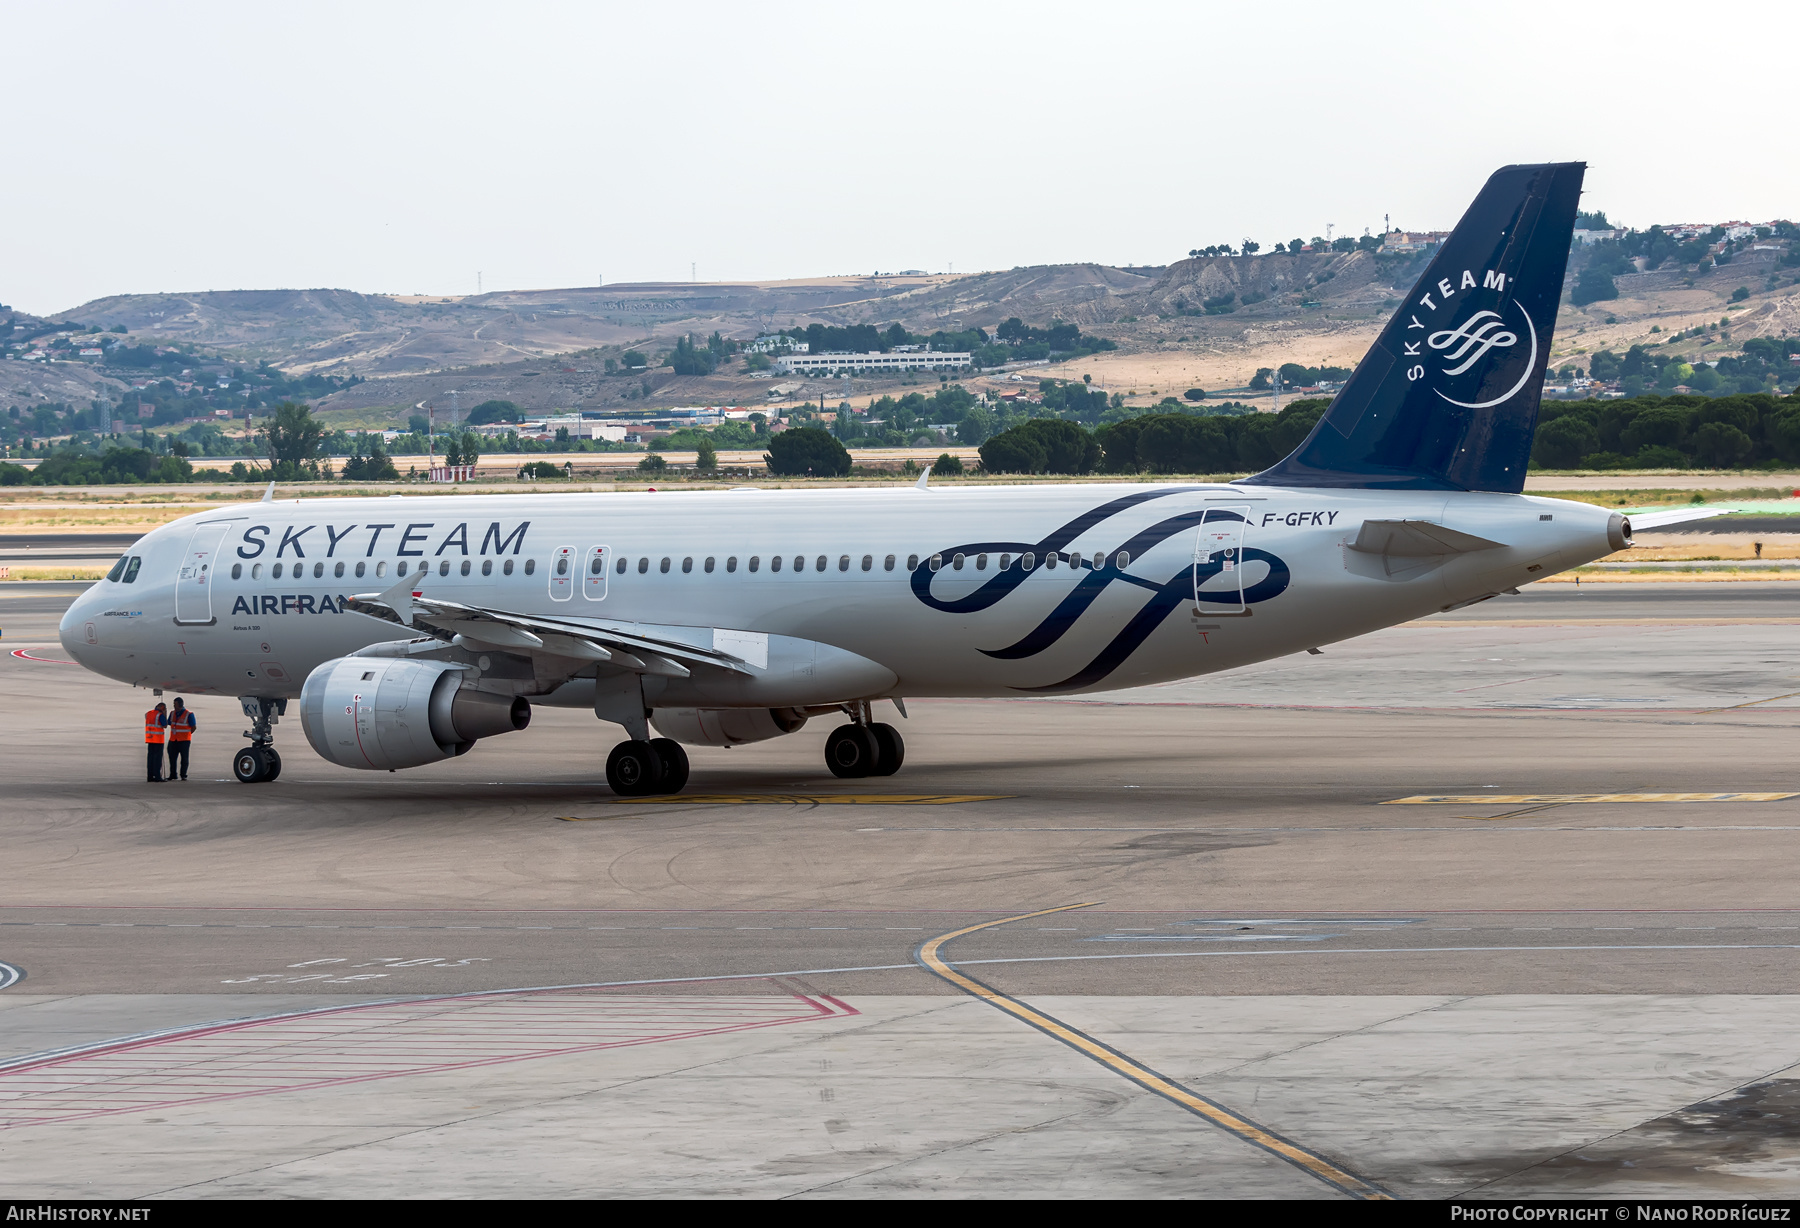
x=726 y=726
x=383 y=714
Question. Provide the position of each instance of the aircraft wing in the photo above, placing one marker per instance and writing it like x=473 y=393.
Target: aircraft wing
x=1415 y=539
x=1681 y=515
x=581 y=640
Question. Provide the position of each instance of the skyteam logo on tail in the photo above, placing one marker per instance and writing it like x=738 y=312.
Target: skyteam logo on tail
x=1484 y=321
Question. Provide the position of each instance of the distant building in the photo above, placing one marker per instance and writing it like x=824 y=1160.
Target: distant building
x=1586 y=238
x=1403 y=241
x=832 y=364
x=775 y=345
x=93 y=352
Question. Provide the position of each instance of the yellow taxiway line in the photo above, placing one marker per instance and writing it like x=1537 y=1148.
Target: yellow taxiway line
x=1572 y=799
x=929 y=955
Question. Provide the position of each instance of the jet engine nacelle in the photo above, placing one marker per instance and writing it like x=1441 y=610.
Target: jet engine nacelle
x=385 y=713
x=726 y=726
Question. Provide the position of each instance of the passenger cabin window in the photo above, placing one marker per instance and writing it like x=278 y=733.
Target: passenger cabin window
x=1005 y=561
x=337 y=571
x=912 y=562
x=237 y=570
x=774 y=564
x=819 y=563
x=443 y=567
x=754 y=561
x=981 y=562
x=664 y=566
x=869 y=562
x=709 y=564
x=380 y=570
x=687 y=565
x=1124 y=560
x=620 y=565
x=399 y=568
x=360 y=568
x=844 y=563
x=800 y=563
x=596 y=565
x=465 y=567
x=506 y=568
x=956 y=563
x=937 y=562
x=530 y=566
x=562 y=565
x=731 y=563
x=1050 y=560
x=487 y=567
x=889 y=565
x=643 y=565
x=274 y=572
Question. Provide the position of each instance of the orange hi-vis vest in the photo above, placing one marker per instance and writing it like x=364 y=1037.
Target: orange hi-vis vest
x=181 y=727
x=153 y=731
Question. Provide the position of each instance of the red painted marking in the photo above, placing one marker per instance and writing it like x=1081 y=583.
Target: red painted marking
x=384 y=1040
x=25 y=656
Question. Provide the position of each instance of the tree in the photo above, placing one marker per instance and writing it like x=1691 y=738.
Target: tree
x=1195 y=394
x=689 y=359
x=495 y=411
x=807 y=451
x=653 y=464
x=632 y=359
x=1593 y=286
x=946 y=463
x=706 y=457
x=1042 y=445
x=976 y=427
x=1251 y=247
x=292 y=438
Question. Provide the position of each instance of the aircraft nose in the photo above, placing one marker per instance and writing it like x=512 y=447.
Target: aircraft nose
x=76 y=631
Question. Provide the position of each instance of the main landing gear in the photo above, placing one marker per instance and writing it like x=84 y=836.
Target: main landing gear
x=259 y=763
x=641 y=768
x=864 y=749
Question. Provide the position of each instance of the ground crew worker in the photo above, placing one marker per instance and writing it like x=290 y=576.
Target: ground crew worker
x=181 y=732
x=156 y=724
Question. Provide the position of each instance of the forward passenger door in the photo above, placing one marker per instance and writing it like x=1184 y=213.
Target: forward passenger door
x=1219 y=560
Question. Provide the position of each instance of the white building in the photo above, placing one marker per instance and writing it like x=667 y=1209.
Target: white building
x=775 y=345
x=832 y=364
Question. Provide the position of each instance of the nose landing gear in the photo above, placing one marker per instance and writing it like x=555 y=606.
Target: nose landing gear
x=259 y=763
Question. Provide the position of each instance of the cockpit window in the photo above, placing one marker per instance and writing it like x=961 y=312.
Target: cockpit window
x=131 y=568
x=118 y=569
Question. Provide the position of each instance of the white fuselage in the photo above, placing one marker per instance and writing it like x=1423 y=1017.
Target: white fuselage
x=265 y=580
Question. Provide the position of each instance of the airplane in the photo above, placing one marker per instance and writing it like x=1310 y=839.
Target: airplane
x=411 y=629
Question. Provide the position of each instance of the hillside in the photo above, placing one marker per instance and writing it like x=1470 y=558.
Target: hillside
x=1206 y=322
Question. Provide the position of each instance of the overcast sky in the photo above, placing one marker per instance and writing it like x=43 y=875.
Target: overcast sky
x=404 y=148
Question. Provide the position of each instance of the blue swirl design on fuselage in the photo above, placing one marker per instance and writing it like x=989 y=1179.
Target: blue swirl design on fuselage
x=1167 y=597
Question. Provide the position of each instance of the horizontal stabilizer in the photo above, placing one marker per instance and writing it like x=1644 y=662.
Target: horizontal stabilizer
x=1416 y=539
x=1681 y=515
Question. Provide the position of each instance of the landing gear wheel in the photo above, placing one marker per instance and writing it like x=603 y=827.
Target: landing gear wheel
x=634 y=769
x=274 y=768
x=674 y=764
x=250 y=765
x=851 y=751
x=891 y=750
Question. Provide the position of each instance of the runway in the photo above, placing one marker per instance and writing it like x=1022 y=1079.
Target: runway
x=1572 y=974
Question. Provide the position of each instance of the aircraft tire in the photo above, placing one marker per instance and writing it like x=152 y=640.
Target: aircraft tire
x=634 y=769
x=674 y=764
x=249 y=765
x=891 y=750
x=851 y=751
x=274 y=768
